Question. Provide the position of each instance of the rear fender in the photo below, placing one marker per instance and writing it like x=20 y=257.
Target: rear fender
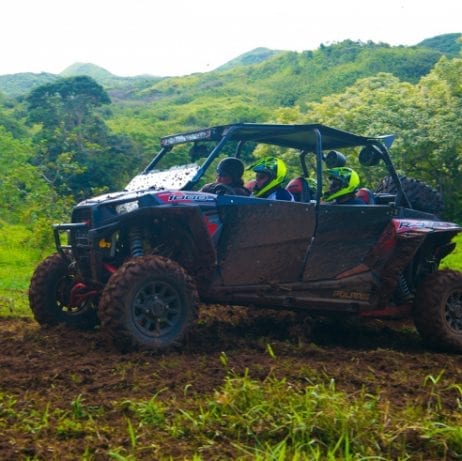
x=413 y=247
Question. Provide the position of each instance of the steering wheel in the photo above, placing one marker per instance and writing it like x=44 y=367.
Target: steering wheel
x=223 y=189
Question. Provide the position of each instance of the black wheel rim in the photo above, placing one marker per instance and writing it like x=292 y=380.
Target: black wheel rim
x=157 y=309
x=453 y=311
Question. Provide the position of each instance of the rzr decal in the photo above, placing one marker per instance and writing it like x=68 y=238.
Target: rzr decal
x=190 y=197
x=167 y=197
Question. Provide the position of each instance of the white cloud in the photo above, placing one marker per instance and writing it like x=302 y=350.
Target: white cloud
x=177 y=37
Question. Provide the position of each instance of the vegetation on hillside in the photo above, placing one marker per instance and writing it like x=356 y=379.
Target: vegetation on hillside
x=74 y=151
x=72 y=137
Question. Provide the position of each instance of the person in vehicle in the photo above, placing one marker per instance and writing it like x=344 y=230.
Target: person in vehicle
x=344 y=182
x=229 y=178
x=270 y=173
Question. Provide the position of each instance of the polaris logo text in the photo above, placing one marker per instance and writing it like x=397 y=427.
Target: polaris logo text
x=355 y=295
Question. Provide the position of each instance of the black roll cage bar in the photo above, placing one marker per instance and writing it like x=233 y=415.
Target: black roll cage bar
x=281 y=135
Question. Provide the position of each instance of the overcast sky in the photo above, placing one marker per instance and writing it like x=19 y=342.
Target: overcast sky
x=180 y=37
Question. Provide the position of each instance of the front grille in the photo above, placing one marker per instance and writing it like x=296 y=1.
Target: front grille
x=80 y=241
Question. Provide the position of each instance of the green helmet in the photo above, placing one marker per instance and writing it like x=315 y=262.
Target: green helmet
x=275 y=168
x=348 y=179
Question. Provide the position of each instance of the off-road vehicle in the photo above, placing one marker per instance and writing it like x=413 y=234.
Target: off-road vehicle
x=140 y=261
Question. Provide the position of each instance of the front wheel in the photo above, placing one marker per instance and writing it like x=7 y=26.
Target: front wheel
x=438 y=310
x=51 y=296
x=149 y=303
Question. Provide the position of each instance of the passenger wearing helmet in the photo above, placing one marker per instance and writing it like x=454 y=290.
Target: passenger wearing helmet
x=229 y=178
x=344 y=182
x=270 y=173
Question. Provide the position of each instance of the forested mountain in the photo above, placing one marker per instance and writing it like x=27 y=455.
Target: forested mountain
x=327 y=69
x=105 y=78
x=446 y=44
x=65 y=137
x=13 y=85
x=255 y=56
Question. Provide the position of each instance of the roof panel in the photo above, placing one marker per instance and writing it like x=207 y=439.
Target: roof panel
x=295 y=136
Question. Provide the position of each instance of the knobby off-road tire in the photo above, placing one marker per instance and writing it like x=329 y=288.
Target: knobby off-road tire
x=438 y=310
x=49 y=294
x=148 y=304
x=422 y=196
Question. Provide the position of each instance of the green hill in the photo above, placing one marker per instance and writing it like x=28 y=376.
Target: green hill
x=255 y=56
x=13 y=85
x=91 y=70
x=287 y=78
x=448 y=44
x=104 y=77
x=280 y=77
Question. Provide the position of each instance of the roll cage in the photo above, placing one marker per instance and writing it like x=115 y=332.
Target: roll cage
x=306 y=138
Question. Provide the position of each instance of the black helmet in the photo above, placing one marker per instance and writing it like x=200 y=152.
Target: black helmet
x=232 y=167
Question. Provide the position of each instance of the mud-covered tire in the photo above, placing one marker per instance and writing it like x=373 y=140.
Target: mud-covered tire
x=149 y=304
x=422 y=196
x=438 y=310
x=49 y=293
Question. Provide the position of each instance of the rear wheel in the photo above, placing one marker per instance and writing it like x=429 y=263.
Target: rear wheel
x=50 y=295
x=438 y=310
x=149 y=303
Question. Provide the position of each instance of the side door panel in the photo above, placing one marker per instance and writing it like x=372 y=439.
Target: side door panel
x=264 y=241
x=344 y=236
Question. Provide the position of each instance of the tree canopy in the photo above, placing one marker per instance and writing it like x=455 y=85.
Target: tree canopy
x=71 y=138
x=75 y=151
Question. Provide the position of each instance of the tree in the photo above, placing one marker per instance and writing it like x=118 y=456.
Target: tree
x=440 y=103
x=69 y=99
x=74 y=149
x=424 y=117
x=26 y=197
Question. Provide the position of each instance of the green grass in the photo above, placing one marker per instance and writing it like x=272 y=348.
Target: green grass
x=269 y=419
x=454 y=260
x=18 y=258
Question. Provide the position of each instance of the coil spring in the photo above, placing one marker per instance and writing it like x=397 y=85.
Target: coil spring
x=403 y=291
x=136 y=242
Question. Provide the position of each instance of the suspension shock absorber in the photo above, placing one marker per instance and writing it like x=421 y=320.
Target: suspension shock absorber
x=403 y=292
x=136 y=241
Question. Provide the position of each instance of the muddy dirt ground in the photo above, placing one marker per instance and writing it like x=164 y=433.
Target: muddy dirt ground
x=41 y=367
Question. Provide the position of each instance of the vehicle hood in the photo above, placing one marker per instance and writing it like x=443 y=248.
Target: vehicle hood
x=175 y=178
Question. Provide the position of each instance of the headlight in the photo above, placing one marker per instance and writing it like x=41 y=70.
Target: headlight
x=127 y=207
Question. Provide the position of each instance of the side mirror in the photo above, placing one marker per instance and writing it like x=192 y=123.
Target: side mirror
x=334 y=159
x=370 y=155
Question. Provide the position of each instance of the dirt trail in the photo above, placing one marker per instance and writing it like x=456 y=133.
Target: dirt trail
x=57 y=365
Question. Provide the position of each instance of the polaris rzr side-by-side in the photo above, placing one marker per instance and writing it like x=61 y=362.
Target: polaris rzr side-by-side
x=139 y=262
